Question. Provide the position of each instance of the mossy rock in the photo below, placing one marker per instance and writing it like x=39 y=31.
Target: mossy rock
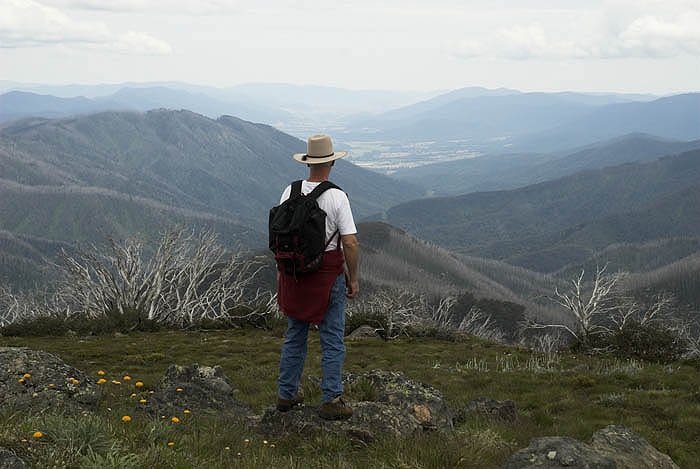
x=35 y=380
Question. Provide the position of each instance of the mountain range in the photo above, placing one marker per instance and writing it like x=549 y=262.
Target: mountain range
x=552 y=224
x=495 y=122
x=513 y=170
x=507 y=227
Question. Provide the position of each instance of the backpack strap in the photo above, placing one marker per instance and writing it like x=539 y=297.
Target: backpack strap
x=296 y=189
x=321 y=188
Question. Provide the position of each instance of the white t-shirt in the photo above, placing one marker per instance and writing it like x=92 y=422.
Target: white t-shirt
x=337 y=207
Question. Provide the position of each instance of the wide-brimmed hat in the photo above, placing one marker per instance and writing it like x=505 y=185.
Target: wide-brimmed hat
x=319 y=149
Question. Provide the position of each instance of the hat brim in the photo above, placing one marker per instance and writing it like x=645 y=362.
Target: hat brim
x=306 y=159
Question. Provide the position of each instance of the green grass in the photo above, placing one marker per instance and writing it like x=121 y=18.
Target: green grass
x=572 y=396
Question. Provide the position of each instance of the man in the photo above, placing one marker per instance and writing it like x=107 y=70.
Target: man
x=323 y=291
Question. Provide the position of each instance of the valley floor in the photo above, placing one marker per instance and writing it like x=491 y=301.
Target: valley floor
x=560 y=394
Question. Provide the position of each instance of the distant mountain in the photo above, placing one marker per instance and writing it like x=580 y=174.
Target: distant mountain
x=320 y=100
x=146 y=98
x=549 y=225
x=510 y=171
x=589 y=99
x=18 y=104
x=173 y=163
x=416 y=109
x=674 y=117
x=283 y=105
x=480 y=118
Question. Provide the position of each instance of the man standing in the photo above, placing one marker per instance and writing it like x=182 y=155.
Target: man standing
x=319 y=297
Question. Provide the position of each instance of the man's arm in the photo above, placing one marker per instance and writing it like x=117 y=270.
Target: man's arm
x=351 y=250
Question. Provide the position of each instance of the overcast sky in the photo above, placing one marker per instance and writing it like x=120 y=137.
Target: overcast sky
x=588 y=45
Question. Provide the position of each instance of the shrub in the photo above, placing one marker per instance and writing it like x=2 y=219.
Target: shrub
x=651 y=342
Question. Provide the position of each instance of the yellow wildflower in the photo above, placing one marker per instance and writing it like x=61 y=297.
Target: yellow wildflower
x=23 y=441
x=101 y=373
x=133 y=395
x=21 y=380
x=116 y=382
x=142 y=401
x=51 y=385
x=126 y=418
x=101 y=381
x=171 y=443
x=179 y=389
x=126 y=378
x=139 y=384
x=175 y=420
x=227 y=448
x=37 y=435
x=27 y=375
x=186 y=411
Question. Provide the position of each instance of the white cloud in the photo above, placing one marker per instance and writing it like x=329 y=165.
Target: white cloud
x=27 y=23
x=167 y=7
x=646 y=36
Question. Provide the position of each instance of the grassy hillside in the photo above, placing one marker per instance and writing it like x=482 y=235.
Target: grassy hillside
x=582 y=394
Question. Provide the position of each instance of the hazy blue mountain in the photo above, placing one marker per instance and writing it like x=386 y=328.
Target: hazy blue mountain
x=531 y=122
x=412 y=110
x=146 y=98
x=18 y=104
x=549 y=225
x=675 y=117
x=589 y=99
x=323 y=100
x=481 y=118
x=509 y=171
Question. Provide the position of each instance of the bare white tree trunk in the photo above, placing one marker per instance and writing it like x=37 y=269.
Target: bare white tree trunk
x=189 y=279
x=587 y=308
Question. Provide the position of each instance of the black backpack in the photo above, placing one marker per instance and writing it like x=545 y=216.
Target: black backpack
x=297 y=230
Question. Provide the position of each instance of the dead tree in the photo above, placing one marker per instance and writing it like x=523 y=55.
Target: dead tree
x=589 y=308
x=190 y=278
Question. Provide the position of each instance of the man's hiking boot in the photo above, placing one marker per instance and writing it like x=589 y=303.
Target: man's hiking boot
x=335 y=410
x=283 y=405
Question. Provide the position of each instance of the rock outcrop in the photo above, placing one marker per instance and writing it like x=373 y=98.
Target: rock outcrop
x=363 y=332
x=484 y=406
x=9 y=460
x=613 y=447
x=200 y=389
x=35 y=380
x=629 y=450
x=385 y=403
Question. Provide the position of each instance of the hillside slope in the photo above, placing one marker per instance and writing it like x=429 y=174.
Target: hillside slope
x=226 y=167
x=510 y=171
x=547 y=225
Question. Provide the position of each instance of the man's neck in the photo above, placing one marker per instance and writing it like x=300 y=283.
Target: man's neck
x=319 y=174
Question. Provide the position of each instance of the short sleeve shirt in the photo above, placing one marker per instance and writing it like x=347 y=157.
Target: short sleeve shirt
x=337 y=207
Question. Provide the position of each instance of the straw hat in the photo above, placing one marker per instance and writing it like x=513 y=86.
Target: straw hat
x=319 y=149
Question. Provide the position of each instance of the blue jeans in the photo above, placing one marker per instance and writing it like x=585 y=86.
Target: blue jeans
x=332 y=331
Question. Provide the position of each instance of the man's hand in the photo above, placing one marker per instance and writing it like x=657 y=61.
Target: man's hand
x=353 y=289
x=351 y=250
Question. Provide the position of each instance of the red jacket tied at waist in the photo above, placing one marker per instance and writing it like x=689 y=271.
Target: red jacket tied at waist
x=306 y=297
